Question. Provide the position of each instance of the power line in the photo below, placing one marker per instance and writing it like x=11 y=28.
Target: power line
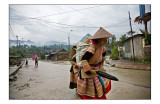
x=59 y=23
x=116 y=24
x=74 y=26
x=67 y=11
x=82 y=13
x=72 y=34
x=75 y=15
x=11 y=30
x=46 y=23
x=55 y=28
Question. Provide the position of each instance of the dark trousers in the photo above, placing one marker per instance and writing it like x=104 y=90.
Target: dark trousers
x=36 y=63
x=26 y=63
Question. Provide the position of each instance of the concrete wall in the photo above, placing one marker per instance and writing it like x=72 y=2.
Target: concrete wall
x=147 y=53
x=138 y=48
x=127 y=50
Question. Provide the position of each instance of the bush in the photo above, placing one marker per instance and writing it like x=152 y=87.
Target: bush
x=15 y=62
x=142 y=62
x=114 y=53
x=106 y=53
x=11 y=62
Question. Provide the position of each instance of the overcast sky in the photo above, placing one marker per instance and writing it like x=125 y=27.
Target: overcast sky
x=41 y=23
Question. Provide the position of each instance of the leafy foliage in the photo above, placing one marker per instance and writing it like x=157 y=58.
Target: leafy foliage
x=106 y=53
x=129 y=32
x=112 y=42
x=123 y=37
x=148 y=39
x=12 y=62
x=114 y=53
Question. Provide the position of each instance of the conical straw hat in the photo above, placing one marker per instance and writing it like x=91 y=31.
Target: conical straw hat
x=101 y=33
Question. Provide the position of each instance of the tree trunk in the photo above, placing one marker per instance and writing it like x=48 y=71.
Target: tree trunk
x=145 y=23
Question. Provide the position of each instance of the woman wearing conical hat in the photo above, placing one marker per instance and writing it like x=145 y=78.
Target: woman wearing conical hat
x=89 y=84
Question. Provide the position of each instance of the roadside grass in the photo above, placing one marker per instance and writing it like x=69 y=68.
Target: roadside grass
x=142 y=62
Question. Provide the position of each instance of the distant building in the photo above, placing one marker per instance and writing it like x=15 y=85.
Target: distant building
x=49 y=51
x=58 y=55
x=29 y=55
x=47 y=57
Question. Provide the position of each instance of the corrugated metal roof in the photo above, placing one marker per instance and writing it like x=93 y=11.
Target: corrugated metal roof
x=13 y=56
x=58 y=51
x=133 y=37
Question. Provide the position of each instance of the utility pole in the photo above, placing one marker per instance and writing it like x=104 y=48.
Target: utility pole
x=131 y=36
x=69 y=44
x=17 y=42
x=20 y=44
x=69 y=41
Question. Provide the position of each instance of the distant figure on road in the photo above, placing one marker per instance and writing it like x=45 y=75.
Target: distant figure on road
x=26 y=62
x=36 y=62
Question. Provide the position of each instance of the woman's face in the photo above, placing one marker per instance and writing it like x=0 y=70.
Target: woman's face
x=102 y=41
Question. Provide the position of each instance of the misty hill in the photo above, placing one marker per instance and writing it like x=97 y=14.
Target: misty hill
x=55 y=42
x=28 y=42
x=22 y=42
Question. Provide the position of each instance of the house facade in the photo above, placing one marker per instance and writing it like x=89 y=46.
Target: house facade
x=138 y=43
x=58 y=55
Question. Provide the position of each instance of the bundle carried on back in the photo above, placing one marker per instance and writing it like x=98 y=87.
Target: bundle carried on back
x=81 y=49
x=73 y=52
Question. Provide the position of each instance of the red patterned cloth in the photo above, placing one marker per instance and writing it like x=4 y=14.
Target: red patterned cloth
x=91 y=88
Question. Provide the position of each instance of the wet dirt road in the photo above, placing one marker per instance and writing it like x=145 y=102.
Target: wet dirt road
x=50 y=80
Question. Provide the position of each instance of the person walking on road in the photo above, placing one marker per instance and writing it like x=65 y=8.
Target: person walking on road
x=26 y=62
x=36 y=62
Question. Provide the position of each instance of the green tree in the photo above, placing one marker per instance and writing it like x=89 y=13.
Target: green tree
x=113 y=38
x=111 y=42
x=148 y=38
x=12 y=52
x=114 y=53
x=123 y=37
x=129 y=32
